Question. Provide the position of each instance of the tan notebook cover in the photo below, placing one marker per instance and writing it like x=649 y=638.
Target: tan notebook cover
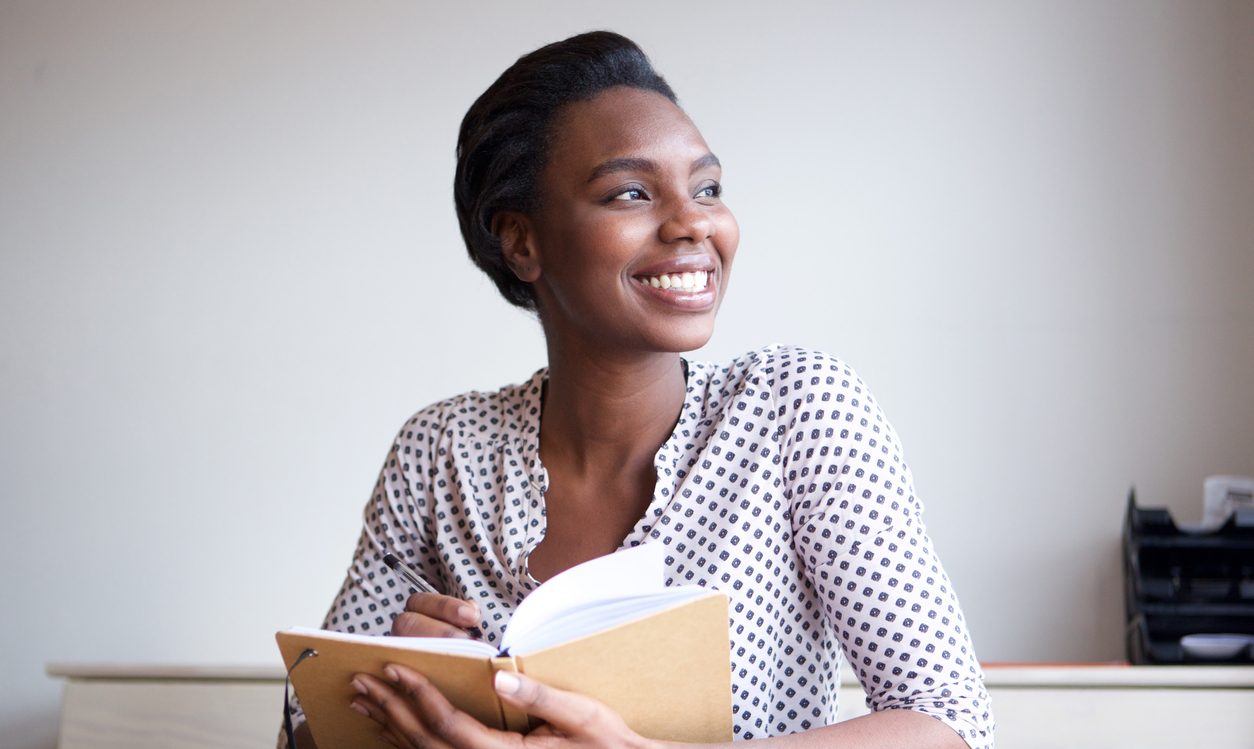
x=668 y=674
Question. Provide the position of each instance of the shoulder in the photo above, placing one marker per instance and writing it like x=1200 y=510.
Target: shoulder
x=784 y=373
x=482 y=416
x=806 y=395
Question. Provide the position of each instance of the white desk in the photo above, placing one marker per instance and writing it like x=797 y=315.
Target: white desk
x=1037 y=707
x=120 y=706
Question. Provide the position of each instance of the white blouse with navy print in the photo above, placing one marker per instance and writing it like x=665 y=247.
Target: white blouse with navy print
x=782 y=485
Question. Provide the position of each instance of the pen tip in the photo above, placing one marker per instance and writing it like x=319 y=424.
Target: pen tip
x=390 y=560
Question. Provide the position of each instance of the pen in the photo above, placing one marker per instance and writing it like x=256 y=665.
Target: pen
x=419 y=585
x=408 y=575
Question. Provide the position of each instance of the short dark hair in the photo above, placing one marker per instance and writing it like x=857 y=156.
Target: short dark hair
x=503 y=144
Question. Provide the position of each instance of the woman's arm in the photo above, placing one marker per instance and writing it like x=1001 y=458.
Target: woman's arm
x=858 y=526
x=890 y=729
x=412 y=713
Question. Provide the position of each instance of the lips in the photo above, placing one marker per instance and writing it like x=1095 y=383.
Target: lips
x=680 y=273
x=690 y=291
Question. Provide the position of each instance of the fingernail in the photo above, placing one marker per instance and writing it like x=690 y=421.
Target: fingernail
x=468 y=612
x=357 y=707
x=507 y=682
x=391 y=673
x=360 y=686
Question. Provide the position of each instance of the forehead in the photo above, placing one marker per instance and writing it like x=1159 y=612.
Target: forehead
x=622 y=122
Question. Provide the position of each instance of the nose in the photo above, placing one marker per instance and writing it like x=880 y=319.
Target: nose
x=688 y=223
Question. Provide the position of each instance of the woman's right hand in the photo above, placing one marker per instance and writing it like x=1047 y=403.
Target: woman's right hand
x=434 y=615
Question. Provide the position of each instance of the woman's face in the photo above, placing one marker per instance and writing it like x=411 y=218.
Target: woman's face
x=632 y=241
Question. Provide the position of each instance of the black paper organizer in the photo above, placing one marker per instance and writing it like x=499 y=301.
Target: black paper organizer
x=1178 y=583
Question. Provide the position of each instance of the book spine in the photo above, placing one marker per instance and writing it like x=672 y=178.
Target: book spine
x=511 y=717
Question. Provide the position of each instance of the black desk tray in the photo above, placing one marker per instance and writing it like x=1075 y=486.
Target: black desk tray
x=1178 y=583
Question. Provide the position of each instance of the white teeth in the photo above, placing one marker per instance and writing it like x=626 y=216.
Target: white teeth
x=687 y=281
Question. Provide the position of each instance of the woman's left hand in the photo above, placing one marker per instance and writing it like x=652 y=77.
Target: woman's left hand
x=413 y=713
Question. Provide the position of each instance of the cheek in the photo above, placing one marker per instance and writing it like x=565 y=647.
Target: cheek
x=607 y=243
x=727 y=235
x=586 y=260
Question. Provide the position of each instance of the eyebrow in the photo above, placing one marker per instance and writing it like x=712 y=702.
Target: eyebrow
x=645 y=165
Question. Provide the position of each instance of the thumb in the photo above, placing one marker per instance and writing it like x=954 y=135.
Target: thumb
x=571 y=714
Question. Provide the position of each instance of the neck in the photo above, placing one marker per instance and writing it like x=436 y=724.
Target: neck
x=609 y=412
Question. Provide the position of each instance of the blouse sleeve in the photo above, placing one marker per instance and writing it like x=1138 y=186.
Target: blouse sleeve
x=394 y=520
x=859 y=528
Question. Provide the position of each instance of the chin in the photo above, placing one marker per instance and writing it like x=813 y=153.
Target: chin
x=684 y=339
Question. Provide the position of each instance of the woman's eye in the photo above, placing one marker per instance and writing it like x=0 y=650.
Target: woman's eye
x=631 y=193
x=710 y=191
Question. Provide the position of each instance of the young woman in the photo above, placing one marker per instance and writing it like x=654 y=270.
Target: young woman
x=588 y=196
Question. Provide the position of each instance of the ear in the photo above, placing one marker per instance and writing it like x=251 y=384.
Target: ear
x=517 y=236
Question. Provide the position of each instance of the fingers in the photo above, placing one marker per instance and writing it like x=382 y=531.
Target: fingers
x=384 y=706
x=433 y=615
x=444 y=608
x=569 y=713
x=365 y=706
x=417 y=714
x=409 y=624
x=413 y=713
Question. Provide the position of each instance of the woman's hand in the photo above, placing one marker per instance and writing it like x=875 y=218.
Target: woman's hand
x=413 y=713
x=434 y=615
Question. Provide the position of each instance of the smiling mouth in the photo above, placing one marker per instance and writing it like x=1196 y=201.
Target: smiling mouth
x=687 y=281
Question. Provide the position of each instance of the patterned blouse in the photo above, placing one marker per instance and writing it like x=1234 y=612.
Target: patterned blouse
x=782 y=485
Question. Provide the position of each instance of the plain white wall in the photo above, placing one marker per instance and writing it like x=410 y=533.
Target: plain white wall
x=229 y=269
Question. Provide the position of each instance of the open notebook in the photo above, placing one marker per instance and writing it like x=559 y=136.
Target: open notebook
x=607 y=628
